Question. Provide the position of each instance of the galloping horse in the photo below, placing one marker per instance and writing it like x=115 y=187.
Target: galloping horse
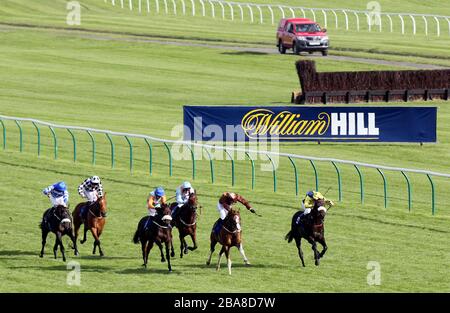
x=311 y=228
x=58 y=221
x=95 y=221
x=157 y=231
x=186 y=222
x=230 y=235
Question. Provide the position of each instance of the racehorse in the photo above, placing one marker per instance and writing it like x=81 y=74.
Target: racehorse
x=157 y=230
x=94 y=221
x=310 y=228
x=58 y=221
x=230 y=235
x=186 y=222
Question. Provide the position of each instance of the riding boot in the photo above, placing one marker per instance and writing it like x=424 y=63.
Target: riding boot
x=217 y=226
x=147 y=222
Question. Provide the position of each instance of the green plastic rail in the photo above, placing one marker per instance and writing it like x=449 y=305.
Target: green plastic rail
x=361 y=182
x=170 y=158
x=315 y=173
x=295 y=175
x=93 y=146
x=111 y=142
x=232 y=166
x=193 y=160
x=384 y=188
x=38 y=132
x=432 y=195
x=408 y=184
x=274 y=172
x=4 y=135
x=338 y=172
x=131 y=153
x=20 y=136
x=150 y=156
x=74 y=141
x=253 y=169
x=211 y=165
x=55 y=142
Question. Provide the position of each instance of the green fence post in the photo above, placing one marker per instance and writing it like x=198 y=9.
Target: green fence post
x=170 y=158
x=150 y=156
x=253 y=169
x=4 y=134
x=20 y=136
x=232 y=166
x=193 y=161
x=211 y=165
x=295 y=175
x=432 y=195
x=361 y=182
x=338 y=172
x=131 y=152
x=384 y=187
x=274 y=173
x=93 y=146
x=315 y=174
x=408 y=183
x=74 y=144
x=112 y=149
x=55 y=142
x=38 y=137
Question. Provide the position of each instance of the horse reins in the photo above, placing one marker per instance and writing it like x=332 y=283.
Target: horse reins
x=165 y=227
x=231 y=232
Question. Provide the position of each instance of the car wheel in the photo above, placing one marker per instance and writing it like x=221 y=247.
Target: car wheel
x=281 y=48
x=325 y=53
x=296 y=49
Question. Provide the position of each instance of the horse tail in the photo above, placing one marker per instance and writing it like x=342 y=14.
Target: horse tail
x=136 y=236
x=289 y=236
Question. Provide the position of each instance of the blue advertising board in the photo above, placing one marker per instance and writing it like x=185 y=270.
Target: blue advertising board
x=350 y=124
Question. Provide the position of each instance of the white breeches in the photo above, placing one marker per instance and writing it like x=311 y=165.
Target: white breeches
x=91 y=196
x=151 y=212
x=57 y=201
x=222 y=211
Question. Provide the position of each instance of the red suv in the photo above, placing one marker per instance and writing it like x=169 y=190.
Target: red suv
x=301 y=34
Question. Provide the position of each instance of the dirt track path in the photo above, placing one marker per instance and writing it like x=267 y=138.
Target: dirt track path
x=127 y=37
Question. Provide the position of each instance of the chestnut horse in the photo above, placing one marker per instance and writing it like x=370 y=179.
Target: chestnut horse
x=157 y=230
x=311 y=228
x=230 y=235
x=186 y=222
x=58 y=221
x=95 y=221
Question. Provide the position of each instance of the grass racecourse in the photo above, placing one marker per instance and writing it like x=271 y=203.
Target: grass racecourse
x=98 y=75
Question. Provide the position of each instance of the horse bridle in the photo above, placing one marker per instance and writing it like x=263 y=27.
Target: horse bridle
x=165 y=227
x=61 y=220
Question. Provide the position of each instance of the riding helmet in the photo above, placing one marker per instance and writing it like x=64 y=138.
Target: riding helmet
x=159 y=192
x=60 y=186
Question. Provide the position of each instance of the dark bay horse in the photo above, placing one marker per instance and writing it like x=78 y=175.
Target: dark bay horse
x=155 y=231
x=230 y=235
x=186 y=222
x=95 y=221
x=311 y=228
x=58 y=221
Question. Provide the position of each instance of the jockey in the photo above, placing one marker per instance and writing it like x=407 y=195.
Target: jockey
x=224 y=206
x=58 y=194
x=182 y=195
x=91 y=189
x=310 y=200
x=154 y=201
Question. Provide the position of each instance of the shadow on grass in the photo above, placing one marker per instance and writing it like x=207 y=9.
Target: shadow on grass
x=148 y=270
x=17 y=253
x=252 y=53
x=63 y=267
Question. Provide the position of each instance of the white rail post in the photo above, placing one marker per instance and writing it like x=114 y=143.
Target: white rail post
x=335 y=18
x=213 y=9
x=357 y=21
x=414 y=24
x=113 y=2
x=203 y=8
x=148 y=6
x=231 y=11
x=193 y=7
x=183 y=7
x=121 y=4
x=271 y=14
x=346 y=20
x=314 y=14
x=130 y=4
x=261 y=18
x=157 y=6
x=304 y=13
x=292 y=12
x=380 y=23
x=403 y=24
x=223 y=9
x=140 y=6
x=325 y=18
x=251 y=12
x=242 y=12
x=448 y=22
x=369 y=21
x=426 y=24
x=174 y=7
x=438 y=26
x=166 y=7
x=282 y=11
x=390 y=22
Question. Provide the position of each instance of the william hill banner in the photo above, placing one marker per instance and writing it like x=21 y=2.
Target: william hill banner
x=372 y=124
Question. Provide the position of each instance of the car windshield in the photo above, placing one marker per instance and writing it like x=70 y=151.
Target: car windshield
x=307 y=28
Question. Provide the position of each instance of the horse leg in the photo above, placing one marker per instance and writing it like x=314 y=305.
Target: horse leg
x=324 y=245
x=85 y=229
x=298 y=242
x=220 y=257
x=181 y=245
x=159 y=244
x=147 y=252
x=242 y=252
x=44 y=240
x=194 y=240
x=172 y=251
x=74 y=241
x=227 y=254
x=61 y=248
x=316 y=253
x=96 y=241
x=185 y=245
x=55 y=247
x=143 y=246
x=169 y=266
x=213 y=245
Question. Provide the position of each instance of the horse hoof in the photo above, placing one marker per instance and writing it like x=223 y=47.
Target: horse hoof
x=163 y=260
x=41 y=255
x=76 y=253
x=102 y=254
x=172 y=254
x=185 y=251
x=82 y=241
x=248 y=263
x=207 y=263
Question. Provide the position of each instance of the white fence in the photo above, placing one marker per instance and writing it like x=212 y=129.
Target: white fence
x=406 y=23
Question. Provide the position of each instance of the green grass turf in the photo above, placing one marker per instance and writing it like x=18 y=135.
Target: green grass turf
x=140 y=87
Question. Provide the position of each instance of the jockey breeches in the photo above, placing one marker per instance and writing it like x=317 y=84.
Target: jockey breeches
x=57 y=201
x=222 y=211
